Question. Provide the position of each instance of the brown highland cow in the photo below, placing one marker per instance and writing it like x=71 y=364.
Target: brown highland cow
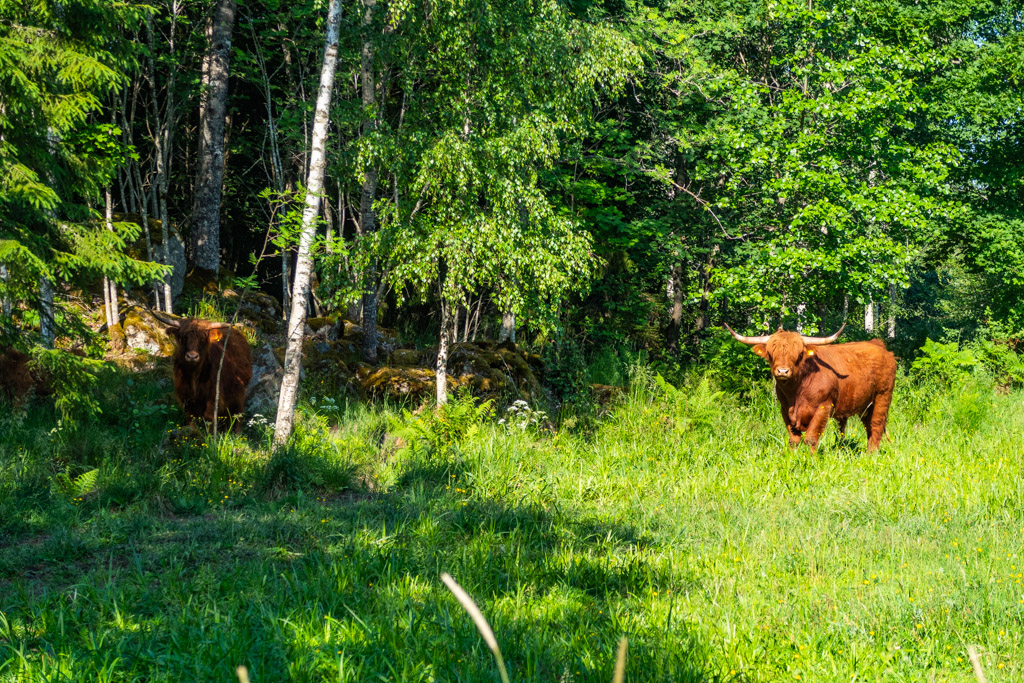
x=816 y=379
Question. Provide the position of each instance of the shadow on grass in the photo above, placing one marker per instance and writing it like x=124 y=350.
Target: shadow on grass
x=346 y=588
x=142 y=582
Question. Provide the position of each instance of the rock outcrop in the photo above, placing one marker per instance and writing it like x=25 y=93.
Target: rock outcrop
x=143 y=331
x=265 y=385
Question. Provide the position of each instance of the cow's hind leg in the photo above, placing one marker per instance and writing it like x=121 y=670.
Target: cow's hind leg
x=866 y=417
x=876 y=419
x=817 y=425
x=842 y=425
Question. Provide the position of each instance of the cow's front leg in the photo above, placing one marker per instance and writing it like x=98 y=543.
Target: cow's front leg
x=817 y=425
x=794 y=434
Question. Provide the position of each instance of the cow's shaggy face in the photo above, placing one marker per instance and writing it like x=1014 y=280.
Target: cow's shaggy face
x=785 y=351
x=194 y=339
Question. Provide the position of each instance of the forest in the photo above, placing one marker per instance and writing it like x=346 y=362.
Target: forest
x=483 y=257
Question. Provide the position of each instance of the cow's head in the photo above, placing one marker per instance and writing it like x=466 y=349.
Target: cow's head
x=194 y=337
x=785 y=351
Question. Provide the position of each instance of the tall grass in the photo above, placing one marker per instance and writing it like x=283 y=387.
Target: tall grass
x=681 y=521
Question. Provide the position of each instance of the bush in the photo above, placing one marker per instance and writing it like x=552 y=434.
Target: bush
x=946 y=364
x=949 y=364
x=437 y=433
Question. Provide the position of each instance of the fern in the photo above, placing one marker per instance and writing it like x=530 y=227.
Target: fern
x=74 y=489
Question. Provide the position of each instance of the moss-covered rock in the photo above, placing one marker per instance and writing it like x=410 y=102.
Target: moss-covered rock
x=605 y=394
x=402 y=384
x=316 y=324
x=409 y=357
x=143 y=331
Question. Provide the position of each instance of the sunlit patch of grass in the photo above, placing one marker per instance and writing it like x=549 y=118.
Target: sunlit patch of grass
x=682 y=521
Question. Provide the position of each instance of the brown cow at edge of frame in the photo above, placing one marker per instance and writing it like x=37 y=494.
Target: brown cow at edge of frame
x=200 y=345
x=816 y=379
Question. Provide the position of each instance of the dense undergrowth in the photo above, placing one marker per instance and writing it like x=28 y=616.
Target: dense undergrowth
x=677 y=517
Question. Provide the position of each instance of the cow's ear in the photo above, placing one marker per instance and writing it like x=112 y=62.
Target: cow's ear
x=761 y=350
x=172 y=330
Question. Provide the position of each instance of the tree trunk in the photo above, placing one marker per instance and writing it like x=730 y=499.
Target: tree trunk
x=162 y=140
x=703 y=307
x=106 y=304
x=285 y=298
x=891 y=323
x=367 y=217
x=213 y=110
x=276 y=167
x=113 y=332
x=801 y=315
x=508 y=327
x=304 y=264
x=145 y=228
x=447 y=332
x=869 y=317
x=674 y=292
x=5 y=302
x=47 y=324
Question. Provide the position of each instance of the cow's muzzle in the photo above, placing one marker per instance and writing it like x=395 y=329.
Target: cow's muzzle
x=192 y=357
x=783 y=373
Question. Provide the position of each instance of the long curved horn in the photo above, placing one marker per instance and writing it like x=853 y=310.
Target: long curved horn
x=823 y=340
x=219 y=326
x=164 y=319
x=763 y=339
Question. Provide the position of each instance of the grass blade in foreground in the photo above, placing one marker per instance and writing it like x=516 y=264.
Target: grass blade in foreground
x=620 y=662
x=478 y=618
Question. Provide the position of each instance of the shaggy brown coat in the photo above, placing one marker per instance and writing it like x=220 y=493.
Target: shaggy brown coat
x=16 y=380
x=814 y=382
x=200 y=345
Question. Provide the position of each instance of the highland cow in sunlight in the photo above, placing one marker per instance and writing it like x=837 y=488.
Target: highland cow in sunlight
x=201 y=344
x=816 y=379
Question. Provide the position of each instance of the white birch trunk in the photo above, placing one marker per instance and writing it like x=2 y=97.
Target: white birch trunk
x=106 y=304
x=441 y=370
x=115 y=313
x=869 y=317
x=304 y=265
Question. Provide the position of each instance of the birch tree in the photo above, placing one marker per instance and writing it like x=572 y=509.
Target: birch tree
x=304 y=263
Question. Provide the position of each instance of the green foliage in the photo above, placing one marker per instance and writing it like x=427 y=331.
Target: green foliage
x=1003 y=361
x=439 y=433
x=520 y=415
x=73 y=380
x=944 y=363
x=566 y=374
x=57 y=67
x=74 y=490
x=737 y=369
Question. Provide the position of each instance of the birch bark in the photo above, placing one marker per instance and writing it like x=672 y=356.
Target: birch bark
x=304 y=263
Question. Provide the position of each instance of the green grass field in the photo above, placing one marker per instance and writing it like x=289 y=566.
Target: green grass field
x=680 y=521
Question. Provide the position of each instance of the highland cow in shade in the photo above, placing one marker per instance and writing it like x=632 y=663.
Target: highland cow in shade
x=816 y=379
x=200 y=347
x=16 y=380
